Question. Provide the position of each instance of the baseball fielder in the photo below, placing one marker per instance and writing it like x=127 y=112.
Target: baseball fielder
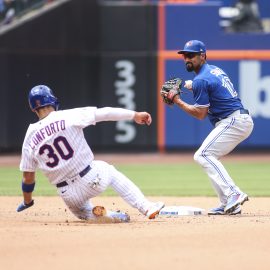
x=56 y=145
x=216 y=98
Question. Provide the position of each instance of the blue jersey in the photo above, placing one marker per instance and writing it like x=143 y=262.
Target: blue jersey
x=212 y=88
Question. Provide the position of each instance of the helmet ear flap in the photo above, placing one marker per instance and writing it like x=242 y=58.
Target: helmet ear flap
x=56 y=106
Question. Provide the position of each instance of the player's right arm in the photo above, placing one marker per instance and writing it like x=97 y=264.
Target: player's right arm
x=197 y=112
x=118 y=114
x=86 y=116
x=200 y=109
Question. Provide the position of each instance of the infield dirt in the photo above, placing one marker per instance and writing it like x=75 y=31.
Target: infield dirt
x=48 y=236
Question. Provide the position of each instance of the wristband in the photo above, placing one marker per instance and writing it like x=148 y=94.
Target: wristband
x=28 y=187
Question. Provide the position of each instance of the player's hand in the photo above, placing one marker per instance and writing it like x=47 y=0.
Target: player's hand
x=143 y=118
x=24 y=206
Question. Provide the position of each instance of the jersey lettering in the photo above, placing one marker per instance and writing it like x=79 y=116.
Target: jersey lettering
x=47 y=131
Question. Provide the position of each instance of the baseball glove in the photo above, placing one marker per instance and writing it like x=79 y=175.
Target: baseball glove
x=170 y=89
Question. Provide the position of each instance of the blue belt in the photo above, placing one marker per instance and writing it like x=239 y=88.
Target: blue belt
x=81 y=174
x=241 y=111
x=244 y=111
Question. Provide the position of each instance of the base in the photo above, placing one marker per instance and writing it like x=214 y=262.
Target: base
x=181 y=211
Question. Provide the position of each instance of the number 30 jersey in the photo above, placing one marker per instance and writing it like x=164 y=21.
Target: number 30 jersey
x=56 y=144
x=212 y=88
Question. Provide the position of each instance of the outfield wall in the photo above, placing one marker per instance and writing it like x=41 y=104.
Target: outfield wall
x=118 y=53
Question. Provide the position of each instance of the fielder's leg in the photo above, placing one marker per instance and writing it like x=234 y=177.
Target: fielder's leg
x=221 y=141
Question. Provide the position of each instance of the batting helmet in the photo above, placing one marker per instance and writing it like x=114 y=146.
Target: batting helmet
x=40 y=96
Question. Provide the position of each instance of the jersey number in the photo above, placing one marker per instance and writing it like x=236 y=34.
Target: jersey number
x=61 y=146
x=229 y=86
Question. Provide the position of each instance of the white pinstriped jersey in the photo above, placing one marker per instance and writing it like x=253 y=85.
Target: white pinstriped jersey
x=56 y=144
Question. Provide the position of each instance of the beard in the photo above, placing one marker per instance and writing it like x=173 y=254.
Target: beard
x=189 y=66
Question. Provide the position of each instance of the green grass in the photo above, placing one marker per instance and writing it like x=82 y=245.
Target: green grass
x=160 y=180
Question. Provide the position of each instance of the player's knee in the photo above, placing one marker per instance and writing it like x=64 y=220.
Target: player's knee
x=198 y=157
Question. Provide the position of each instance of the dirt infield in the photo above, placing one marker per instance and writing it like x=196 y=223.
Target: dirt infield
x=48 y=236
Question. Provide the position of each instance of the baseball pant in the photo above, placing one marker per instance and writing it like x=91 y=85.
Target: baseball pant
x=226 y=135
x=80 y=190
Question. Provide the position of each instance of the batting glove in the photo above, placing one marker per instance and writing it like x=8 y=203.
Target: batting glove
x=24 y=206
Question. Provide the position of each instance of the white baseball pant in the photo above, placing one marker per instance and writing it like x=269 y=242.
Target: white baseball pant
x=226 y=135
x=80 y=190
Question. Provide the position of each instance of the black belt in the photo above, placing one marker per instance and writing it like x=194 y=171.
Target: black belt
x=244 y=111
x=81 y=174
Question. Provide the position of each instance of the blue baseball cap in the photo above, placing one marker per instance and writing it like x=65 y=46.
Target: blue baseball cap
x=193 y=46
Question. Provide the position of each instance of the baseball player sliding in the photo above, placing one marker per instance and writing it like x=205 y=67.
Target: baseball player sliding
x=216 y=98
x=56 y=145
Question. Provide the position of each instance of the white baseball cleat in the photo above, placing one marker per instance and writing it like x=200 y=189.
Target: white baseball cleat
x=102 y=215
x=234 y=201
x=154 y=209
x=118 y=216
x=220 y=211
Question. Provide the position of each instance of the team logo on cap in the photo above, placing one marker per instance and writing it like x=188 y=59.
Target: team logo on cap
x=189 y=43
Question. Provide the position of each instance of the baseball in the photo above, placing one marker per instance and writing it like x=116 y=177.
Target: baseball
x=188 y=84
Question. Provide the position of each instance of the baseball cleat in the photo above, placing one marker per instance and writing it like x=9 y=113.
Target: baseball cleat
x=220 y=211
x=119 y=217
x=235 y=200
x=109 y=216
x=154 y=210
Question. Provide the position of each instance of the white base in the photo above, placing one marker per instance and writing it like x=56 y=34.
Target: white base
x=181 y=211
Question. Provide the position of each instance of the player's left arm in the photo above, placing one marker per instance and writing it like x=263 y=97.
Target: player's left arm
x=28 y=185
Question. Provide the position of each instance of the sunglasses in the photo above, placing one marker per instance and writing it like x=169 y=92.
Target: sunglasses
x=190 y=55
